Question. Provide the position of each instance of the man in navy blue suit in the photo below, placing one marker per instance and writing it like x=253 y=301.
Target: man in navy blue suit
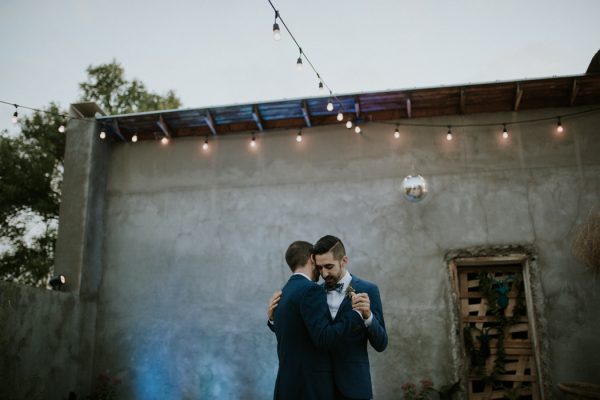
x=347 y=294
x=304 y=330
x=349 y=355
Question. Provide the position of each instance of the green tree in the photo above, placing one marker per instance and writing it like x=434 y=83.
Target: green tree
x=31 y=171
x=107 y=86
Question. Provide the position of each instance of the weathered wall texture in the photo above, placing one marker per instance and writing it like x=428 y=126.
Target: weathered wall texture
x=39 y=342
x=181 y=253
x=194 y=245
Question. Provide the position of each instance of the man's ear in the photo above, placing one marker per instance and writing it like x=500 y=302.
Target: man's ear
x=344 y=261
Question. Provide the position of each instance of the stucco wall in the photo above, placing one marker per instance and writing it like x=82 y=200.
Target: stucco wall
x=39 y=342
x=194 y=243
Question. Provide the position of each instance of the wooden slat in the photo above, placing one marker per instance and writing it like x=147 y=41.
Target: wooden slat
x=306 y=114
x=257 y=118
x=574 y=91
x=210 y=122
x=518 y=97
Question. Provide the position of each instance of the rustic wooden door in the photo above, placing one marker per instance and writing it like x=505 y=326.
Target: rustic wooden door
x=496 y=332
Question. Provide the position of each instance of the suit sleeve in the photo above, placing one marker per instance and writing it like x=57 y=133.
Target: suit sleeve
x=271 y=326
x=315 y=313
x=376 y=331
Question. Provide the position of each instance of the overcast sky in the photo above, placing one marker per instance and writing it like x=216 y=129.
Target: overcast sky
x=222 y=52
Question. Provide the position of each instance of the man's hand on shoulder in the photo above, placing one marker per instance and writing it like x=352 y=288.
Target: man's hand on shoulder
x=273 y=302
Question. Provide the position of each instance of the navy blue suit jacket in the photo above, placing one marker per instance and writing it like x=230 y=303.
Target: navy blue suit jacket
x=349 y=354
x=304 y=331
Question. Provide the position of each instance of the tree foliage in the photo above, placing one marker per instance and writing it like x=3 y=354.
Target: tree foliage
x=31 y=171
x=107 y=86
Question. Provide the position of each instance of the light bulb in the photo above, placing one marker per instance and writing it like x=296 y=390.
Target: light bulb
x=449 y=134
x=299 y=64
x=134 y=138
x=299 y=137
x=340 y=116
x=329 y=105
x=164 y=141
x=205 y=145
x=504 y=133
x=15 y=117
x=276 y=31
x=61 y=128
x=559 y=127
x=349 y=124
x=253 y=141
x=102 y=135
x=357 y=129
x=397 y=133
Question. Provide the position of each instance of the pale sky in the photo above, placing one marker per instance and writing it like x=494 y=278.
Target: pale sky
x=222 y=52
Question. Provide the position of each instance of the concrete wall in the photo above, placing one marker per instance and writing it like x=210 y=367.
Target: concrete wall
x=172 y=253
x=194 y=242
x=39 y=342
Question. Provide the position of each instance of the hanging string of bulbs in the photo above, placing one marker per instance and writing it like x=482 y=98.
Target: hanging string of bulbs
x=63 y=117
x=357 y=128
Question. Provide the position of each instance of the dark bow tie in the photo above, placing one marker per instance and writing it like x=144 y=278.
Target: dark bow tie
x=338 y=288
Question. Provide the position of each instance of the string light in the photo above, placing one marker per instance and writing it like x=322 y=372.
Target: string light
x=164 y=141
x=449 y=134
x=205 y=145
x=299 y=136
x=349 y=124
x=15 y=117
x=253 y=141
x=340 y=116
x=397 y=133
x=134 y=138
x=329 y=105
x=357 y=129
x=276 y=31
x=505 y=132
x=61 y=128
x=559 y=127
x=102 y=135
x=299 y=62
x=321 y=87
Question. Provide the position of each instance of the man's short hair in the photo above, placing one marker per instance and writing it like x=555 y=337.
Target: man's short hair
x=330 y=243
x=297 y=254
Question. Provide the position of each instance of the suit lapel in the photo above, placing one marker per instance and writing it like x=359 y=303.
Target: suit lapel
x=346 y=303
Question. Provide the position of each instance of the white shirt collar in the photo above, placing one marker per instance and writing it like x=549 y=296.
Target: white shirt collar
x=346 y=280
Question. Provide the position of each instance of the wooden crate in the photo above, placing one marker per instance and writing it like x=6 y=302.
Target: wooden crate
x=520 y=374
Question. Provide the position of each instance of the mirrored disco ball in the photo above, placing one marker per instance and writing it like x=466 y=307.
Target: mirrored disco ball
x=414 y=188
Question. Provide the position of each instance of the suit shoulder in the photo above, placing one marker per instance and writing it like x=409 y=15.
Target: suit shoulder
x=364 y=285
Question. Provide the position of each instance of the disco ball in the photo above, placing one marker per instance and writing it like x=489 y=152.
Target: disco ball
x=414 y=188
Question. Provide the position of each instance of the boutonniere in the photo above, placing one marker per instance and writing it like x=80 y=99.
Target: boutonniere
x=350 y=291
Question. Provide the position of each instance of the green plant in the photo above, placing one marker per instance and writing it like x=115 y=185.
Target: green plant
x=411 y=392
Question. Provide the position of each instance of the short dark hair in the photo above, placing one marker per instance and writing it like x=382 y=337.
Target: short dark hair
x=330 y=243
x=297 y=254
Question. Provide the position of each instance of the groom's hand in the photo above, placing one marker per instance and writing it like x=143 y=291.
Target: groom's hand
x=362 y=304
x=272 y=304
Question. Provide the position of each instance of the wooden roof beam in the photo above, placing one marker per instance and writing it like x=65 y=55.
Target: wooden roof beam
x=257 y=118
x=306 y=114
x=574 y=91
x=164 y=127
x=357 y=107
x=118 y=131
x=518 y=97
x=408 y=108
x=462 y=100
x=211 y=123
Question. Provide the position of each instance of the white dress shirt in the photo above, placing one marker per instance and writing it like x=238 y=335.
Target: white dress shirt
x=334 y=299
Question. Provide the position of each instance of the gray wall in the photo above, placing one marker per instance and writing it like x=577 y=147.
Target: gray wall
x=179 y=251
x=194 y=245
x=39 y=342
